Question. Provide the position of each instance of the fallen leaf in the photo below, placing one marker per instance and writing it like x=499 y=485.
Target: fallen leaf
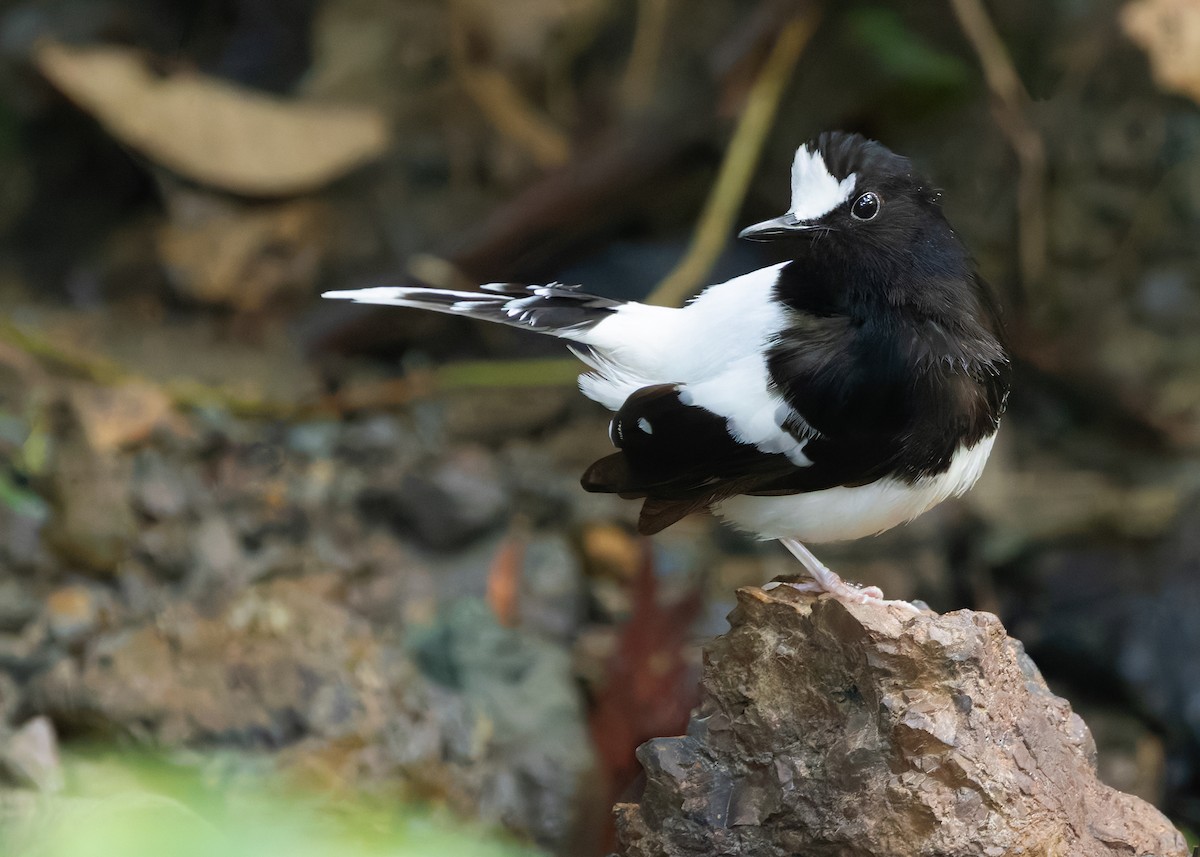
x=1169 y=32
x=211 y=130
x=91 y=524
x=224 y=251
x=31 y=757
x=504 y=580
x=525 y=32
x=116 y=416
x=650 y=688
x=612 y=551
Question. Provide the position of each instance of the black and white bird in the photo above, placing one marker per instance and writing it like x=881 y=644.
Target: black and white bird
x=828 y=397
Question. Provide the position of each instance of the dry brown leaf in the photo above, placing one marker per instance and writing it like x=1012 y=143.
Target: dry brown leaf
x=499 y=97
x=210 y=130
x=1169 y=32
x=514 y=116
x=650 y=687
x=504 y=581
x=112 y=417
x=223 y=251
x=612 y=551
x=524 y=31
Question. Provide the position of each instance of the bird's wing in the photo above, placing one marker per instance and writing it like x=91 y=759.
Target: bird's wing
x=719 y=337
x=682 y=457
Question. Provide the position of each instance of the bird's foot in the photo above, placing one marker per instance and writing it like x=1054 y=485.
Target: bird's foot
x=825 y=581
x=839 y=589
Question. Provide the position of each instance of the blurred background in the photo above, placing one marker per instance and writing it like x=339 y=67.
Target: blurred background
x=344 y=551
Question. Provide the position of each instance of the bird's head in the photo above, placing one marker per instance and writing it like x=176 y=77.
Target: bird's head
x=859 y=205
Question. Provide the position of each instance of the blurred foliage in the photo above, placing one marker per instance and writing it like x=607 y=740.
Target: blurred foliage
x=131 y=806
x=20 y=499
x=904 y=55
x=26 y=448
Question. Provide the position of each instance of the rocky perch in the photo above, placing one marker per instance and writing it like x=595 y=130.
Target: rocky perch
x=869 y=731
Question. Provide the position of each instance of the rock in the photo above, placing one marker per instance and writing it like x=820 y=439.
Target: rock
x=141 y=595
x=524 y=690
x=17 y=605
x=286 y=667
x=215 y=549
x=544 y=483
x=10 y=699
x=159 y=491
x=30 y=757
x=166 y=547
x=75 y=611
x=461 y=498
x=28 y=652
x=374 y=437
x=552 y=599
x=610 y=550
x=115 y=416
x=859 y=730
x=92 y=523
x=21 y=543
x=314 y=439
x=260 y=674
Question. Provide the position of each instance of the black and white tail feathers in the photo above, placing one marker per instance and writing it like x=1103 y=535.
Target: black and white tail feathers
x=554 y=309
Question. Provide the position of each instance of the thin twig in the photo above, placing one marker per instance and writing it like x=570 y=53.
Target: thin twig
x=739 y=163
x=1010 y=108
x=504 y=105
x=637 y=87
x=368 y=395
x=72 y=362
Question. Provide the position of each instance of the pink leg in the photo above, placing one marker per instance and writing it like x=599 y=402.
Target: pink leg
x=824 y=580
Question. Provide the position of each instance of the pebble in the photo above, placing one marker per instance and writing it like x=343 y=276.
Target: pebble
x=17 y=605
x=460 y=499
x=158 y=489
x=30 y=757
x=72 y=612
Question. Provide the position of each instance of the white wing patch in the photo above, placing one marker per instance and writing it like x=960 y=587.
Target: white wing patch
x=741 y=393
x=713 y=349
x=815 y=190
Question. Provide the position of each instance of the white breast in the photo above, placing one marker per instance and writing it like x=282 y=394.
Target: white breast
x=837 y=514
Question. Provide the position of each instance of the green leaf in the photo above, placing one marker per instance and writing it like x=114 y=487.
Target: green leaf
x=21 y=500
x=139 y=807
x=903 y=54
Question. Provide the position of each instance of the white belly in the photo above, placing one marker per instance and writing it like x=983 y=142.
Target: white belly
x=836 y=514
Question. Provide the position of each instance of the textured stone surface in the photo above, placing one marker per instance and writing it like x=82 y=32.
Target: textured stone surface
x=483 y=718
x=828 y=729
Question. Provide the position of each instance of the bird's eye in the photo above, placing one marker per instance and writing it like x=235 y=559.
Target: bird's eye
x=866 y=206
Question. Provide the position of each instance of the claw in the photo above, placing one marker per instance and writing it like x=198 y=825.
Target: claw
x=825 y=581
